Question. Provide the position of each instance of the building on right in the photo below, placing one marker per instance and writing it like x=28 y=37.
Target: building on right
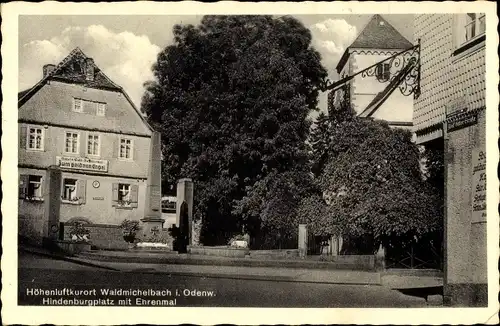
x=450 y=114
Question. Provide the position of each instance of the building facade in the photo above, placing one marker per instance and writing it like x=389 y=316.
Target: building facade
x=370 y=94
x=77 y=121
x=450 y=114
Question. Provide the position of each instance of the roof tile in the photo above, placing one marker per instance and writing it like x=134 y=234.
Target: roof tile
x=379 y=34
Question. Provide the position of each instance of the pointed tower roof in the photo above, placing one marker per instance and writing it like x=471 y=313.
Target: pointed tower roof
x=377 y=34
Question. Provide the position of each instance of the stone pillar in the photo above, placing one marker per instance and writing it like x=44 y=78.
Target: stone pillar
x=465 y=224
x=335 y=244
x=380 y=258
x=185 y=190
x=302 y=240
x=52 y=204
x=152 y=206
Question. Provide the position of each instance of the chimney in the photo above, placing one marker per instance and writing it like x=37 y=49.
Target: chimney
x=48 y=69
x=89 y=69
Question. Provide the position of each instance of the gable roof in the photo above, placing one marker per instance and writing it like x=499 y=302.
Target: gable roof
x=65 y=71
x=377 y=34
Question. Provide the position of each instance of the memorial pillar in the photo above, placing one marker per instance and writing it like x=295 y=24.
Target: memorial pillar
x=152 y=211
x=185 y=193
x=52 y=204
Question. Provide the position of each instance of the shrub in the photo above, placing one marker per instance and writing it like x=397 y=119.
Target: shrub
x=79 y=233
x=130 y=229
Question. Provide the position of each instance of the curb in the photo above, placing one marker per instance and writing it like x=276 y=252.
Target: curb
x=239 y=262
x=68 y=259
x=289 y=279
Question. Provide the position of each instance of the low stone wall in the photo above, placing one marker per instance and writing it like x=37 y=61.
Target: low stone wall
x=72 y=248
x=354 y=262
x=30 y=229
x=274 y=254
x=102 y=236
x=357 y=262
x=218 y=251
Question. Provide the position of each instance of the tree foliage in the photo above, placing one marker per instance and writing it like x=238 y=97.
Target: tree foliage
x=231 y=97
x=319 y=139
x=373 y=183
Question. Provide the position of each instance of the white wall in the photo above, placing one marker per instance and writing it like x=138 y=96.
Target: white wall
x=396 y=108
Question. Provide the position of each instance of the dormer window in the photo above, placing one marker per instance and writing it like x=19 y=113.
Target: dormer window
x=77 y=68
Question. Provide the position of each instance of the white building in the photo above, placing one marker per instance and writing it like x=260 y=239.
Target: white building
x=371 y=94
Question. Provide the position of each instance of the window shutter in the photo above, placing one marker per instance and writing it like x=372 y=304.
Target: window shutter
x=23 y=185
x=134 y=195
x=115 y=193
x=42 y=188
x=81 y=190
x=23 y=137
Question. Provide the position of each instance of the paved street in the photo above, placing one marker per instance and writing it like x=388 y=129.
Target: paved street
x=44 y=273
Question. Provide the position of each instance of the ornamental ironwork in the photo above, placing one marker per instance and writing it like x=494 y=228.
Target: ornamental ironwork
x=402 y=68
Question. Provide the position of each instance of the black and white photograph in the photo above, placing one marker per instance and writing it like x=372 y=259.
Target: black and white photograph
x=250 y=156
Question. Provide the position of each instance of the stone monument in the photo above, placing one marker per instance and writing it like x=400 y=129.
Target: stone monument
x=52 y=204
x=152 y=221
x=185 y=190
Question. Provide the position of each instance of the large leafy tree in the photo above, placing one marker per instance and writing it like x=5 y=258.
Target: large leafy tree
x=319 y=140
x=374 y=186
x=231 y=97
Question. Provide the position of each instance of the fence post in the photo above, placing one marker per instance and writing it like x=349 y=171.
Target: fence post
x=302 y=240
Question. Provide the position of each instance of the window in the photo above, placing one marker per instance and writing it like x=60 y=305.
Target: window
x=475 y=25
x=30 y=187
x=383 y=72
x=123 y=192
x=35 y=186
x=77 y=105
x=93 y=147
x=91 y=107
x=101 y=109
x=125 y=195
x=35 y=138
x=125 y=151
x=73 y=191
x=71 y=142
x=69 y=190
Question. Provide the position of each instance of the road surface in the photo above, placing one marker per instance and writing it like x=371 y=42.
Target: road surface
x=102 y=287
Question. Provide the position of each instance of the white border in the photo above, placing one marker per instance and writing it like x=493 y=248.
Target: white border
x=12 y=313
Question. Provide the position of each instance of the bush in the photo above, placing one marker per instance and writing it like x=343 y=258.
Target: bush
x=130 y=229
x=79 y=233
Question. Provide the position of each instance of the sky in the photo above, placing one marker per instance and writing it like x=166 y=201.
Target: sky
x=125 y=47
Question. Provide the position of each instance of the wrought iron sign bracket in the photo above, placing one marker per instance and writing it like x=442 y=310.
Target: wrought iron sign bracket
x=402 y=68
